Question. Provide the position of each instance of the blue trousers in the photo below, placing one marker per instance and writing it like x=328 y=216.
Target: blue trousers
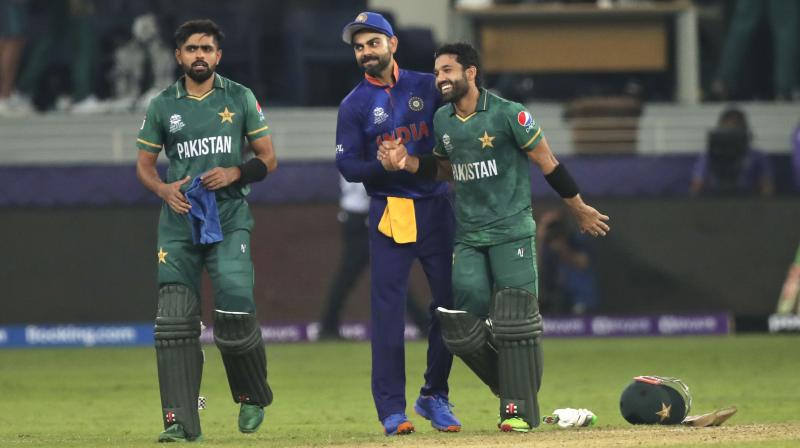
x=390 y=268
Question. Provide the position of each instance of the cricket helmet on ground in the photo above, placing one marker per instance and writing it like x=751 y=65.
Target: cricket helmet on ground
x=655 y=399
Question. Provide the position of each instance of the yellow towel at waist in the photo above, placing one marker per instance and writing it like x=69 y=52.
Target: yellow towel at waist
x=399 y=221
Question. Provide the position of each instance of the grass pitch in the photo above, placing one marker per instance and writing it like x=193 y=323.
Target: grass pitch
x=109 y=396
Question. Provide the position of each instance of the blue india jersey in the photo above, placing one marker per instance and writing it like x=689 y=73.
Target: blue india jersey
x=373 y=112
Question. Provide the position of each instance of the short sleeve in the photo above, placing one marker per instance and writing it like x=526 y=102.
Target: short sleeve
x=526 y=131
x=151 y=135
x=438 y=147
x=255 y=124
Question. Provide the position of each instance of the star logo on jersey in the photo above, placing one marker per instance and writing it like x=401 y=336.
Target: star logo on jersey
x=226 y=115
x=664 y=412
x=486 y=140
x=162 y=256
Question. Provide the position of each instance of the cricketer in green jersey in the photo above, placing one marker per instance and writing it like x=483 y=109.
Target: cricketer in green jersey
x=201 y=123
x=485 y=144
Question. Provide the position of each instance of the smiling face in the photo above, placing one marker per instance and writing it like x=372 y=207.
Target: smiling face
x=199 y=56
x=373 y=51
x=452 y=80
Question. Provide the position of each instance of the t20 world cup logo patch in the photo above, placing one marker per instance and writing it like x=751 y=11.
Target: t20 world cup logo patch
x=380 y=115
x=175 y=123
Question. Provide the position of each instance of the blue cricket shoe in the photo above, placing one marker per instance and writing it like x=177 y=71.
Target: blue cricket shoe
x=397 y=424
x=436 y=408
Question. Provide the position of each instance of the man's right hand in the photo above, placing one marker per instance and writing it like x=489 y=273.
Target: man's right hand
x=173 y=196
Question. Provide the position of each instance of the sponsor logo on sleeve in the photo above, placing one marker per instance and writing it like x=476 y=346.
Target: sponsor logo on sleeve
x=525 y=120
x=260 y=112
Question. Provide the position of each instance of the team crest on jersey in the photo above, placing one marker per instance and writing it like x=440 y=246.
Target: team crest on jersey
x=448 y=146
x=260 y=113
x=175 y=123
x=526 y=120
x=415 y=103
x=380 y=115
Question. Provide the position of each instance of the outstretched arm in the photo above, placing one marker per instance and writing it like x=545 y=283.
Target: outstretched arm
x=589 y=219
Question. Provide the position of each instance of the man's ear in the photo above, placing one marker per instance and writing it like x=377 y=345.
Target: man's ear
x=472 y=73
x=393 y=42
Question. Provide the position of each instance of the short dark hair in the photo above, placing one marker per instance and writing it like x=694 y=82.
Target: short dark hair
x=736 y=115
x=200 y=26
x=466 y=55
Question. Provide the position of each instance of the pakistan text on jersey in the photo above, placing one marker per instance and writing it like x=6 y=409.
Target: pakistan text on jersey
x=464 y=172
x=204 y=146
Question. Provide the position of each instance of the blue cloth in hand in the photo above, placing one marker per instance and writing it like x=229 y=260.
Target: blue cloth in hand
x=204 y=215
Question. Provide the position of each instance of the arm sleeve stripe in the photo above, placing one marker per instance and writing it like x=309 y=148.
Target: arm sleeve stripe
x=258 y=130
x=148 y=143
x=532 y=138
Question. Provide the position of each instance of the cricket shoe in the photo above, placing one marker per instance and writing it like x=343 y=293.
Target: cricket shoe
x=397 y=424
x=175 y=433
x=250 y=417
x=436 y=408
x=514 y=424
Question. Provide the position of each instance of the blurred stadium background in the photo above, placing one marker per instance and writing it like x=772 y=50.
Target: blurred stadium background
x=626 y=92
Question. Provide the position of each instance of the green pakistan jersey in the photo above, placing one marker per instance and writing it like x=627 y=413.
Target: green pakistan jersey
x=491 y=170
x=201 y=133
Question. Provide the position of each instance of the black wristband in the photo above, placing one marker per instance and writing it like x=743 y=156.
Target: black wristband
x=561 y=181
x=428 y=167
x=253 y=170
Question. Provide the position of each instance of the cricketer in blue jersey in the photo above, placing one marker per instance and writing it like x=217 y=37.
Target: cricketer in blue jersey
x=409 y=218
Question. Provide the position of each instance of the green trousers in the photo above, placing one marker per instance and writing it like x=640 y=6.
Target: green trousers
x=479 y=271
x=228 y=262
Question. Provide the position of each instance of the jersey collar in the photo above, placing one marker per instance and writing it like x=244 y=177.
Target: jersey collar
x=376 y=82
x=180 y=88
x=483 y=105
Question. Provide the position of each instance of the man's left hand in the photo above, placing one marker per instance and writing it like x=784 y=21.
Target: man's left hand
x=220 y=177
x=589 y=219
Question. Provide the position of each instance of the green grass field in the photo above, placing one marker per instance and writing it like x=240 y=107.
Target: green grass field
x=109 y=396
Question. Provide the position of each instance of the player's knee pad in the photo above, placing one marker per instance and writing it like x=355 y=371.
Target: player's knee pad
x=179 y=357
x=238 y=337
x=467 y=337
x=516 y=327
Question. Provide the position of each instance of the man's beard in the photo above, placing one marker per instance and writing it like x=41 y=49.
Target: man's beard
x=201 y=76
x=377 y=69
x=460 y=88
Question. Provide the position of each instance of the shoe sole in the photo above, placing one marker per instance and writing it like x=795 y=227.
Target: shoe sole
x=510 y=428
x=451 y=428
x=403 y=429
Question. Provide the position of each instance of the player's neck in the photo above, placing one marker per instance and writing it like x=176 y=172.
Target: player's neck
x=469 y=102
x=194 y=88
x=387 y=75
